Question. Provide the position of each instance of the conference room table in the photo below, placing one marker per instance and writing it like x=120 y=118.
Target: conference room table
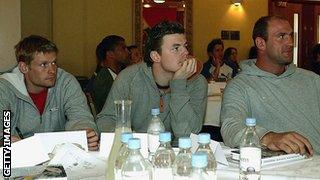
x=308 y=169
x=212 y=116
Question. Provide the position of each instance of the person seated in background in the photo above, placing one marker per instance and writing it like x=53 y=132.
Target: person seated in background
x=113 y=55
x=214 y=68
x=230 y=58
x=253 y=53
x=315 y=62
x=135 y=55
x=284 y=99
x=167 y=79
x=43 y=97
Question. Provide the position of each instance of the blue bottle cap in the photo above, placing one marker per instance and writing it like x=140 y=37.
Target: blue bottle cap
x=185 y=142
x=204 y=138
x=125 y=137
x=199 y=159
x=155 y=111
x=134 y=143
x=250 y=121
x=165 y=137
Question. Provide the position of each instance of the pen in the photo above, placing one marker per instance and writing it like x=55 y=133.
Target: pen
x=19 y=133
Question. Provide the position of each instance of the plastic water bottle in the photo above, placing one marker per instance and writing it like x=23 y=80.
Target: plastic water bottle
x=199 y=164
x=250 y=152
x=135 y=166
x=204 y=146
x=154 y=129
x=182 y=164
x=164 y=158
x=123 y=154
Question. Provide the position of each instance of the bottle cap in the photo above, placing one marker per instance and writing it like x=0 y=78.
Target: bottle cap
x=204 y=138
x=165 y=137
x=134 y=143
x=185 y=142
x=155 y=111
x=199 y=159
x=125 y=137
x=250 y=121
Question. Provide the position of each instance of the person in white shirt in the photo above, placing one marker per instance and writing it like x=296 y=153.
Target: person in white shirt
x=214 y=68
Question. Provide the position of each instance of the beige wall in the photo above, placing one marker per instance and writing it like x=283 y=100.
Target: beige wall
x=10 y=32
x=212 y=16
x=79 y=25
x=36 y=18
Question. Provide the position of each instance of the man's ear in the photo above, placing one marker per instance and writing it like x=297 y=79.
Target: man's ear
x=155 y=56
x=23 y=67
x=260 y=43
x=210 y=54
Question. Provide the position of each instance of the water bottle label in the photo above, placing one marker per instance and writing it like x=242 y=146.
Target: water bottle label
x=250 y=159
x=153 y=142
x=181 y=178
x=117 y=174
x=134 y=175
x=162 y=173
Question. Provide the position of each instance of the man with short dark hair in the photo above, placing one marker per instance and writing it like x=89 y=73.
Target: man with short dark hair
x=113 y=55
x=167 y=80
x=214 y=68
x=284 y=99
x=43 y=97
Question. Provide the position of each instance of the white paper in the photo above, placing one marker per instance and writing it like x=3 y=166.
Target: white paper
x=26 y=152
x=106 y=141
x=214 y=145
x=51 y=139
x=77 y=162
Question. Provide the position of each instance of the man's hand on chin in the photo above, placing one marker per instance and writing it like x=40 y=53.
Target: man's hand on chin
x=188 y=68
x=93 y=140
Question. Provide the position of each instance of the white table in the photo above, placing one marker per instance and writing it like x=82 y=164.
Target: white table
x=212 y=116
x=308 y=169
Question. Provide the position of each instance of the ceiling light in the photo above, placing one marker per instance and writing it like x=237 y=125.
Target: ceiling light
x=159 y=1
x=236 y=2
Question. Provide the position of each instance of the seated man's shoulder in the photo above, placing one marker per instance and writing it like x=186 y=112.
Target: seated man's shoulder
x=64 y=77
x=133 y=70
x=307 y=73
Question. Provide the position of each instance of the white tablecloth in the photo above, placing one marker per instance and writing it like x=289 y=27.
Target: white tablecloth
x=302 y=170
x=212 y=116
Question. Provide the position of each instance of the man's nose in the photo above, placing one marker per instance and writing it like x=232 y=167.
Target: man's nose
x=185 y=52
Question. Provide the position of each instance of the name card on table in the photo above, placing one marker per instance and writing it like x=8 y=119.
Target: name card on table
x=51 y=139
x=106 y=142
x=26 y=152
x=214 y=145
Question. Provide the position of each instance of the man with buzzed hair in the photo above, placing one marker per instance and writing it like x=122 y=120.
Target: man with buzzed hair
x=284 y=99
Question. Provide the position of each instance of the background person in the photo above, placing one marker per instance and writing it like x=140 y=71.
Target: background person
x=230 y=58
x=214 y=68
x=113 y=55
x=135 y=55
